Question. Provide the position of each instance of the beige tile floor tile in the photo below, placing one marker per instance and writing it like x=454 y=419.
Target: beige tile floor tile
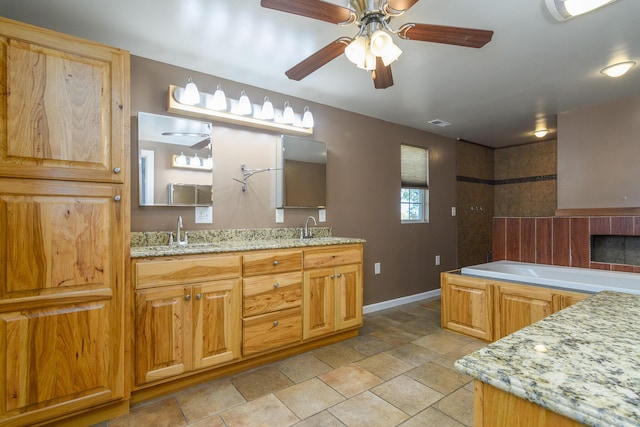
x=368 y=410
x=267 y=411
x=309 y=398
x=399 y=371
x=350 y=380
x=407 y=394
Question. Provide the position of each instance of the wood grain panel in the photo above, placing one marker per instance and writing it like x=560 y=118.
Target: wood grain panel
x=348 y=296
x=580 y=242
x=600 y=225
x=265 y=294
x=544 y=240
x=622 y=226
x=519 y=306
x=528 y=240
x=330 y=256
x=56 y=354
x=162 y=272
x=318 y=303
x=513 y=239
x=272 y=330
x=467 y=305
x=499 y=243
x=216 y=322
x=561 y=241
x=270 y=262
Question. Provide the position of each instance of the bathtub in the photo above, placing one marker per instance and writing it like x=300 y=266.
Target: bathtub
x=582 y=279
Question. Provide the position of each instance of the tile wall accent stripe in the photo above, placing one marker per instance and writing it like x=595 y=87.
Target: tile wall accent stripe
x=538 y=178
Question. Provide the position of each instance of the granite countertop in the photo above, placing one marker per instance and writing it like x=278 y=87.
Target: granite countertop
x=590 y=371
x=156 y=243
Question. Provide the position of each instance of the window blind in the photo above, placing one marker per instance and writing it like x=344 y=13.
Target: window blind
x=414 y=166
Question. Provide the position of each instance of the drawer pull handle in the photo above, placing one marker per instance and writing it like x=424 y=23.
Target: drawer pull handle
x=276 y=285
x=199 y=296
x=275 y=263
x=275 y=323
x=187 y=297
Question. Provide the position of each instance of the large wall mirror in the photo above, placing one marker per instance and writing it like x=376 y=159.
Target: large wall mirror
x=301 y=173
x=175 y=161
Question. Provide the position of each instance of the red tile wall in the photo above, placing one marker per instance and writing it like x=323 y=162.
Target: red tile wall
x=559 y=240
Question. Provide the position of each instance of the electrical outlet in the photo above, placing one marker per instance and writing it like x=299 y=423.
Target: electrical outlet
x=376 y=268
x=279 y=215
x=437 y=259
x=322 y=215
x=204 y=214
x=453 y=211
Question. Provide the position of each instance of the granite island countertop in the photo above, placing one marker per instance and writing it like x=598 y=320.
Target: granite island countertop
x=240 y=240
x=590 y=371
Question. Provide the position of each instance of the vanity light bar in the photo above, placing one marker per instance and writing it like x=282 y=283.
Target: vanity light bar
x=199 y=111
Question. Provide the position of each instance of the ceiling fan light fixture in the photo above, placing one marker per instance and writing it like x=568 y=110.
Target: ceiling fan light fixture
x=619 y=69
x=190 y=96
x=562 y=10
x=391 y=55
x=356 y=51
x=267 y=109
x=380 y=42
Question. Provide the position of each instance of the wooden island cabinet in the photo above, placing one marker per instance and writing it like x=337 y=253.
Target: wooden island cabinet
x=492 y=309
x=64 y=222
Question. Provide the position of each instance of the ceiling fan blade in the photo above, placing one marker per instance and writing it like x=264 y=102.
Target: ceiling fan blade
x=398 y=7
x=467 y=37
x=315 y=9
x=318 y=59
x=382 y=77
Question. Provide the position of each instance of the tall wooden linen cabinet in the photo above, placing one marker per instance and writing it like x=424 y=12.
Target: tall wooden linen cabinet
x=64 y=225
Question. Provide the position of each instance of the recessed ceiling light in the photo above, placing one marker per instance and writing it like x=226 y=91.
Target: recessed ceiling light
x=619 y=69
x=541 y=133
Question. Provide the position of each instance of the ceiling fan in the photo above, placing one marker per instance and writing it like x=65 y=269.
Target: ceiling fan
x=372 y=47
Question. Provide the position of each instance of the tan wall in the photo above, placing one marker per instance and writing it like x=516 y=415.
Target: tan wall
x=598 y=156
x=363 y=184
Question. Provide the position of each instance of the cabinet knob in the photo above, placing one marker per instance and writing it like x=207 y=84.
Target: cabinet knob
x=275 y=323
x=339 y=274
x=116 y=170
x=117 y=198
x=333 y=276
x=187 y=297
x=275 y=263
x=276 y=285
x=198 y=296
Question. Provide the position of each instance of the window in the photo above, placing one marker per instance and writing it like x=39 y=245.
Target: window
x=414 y=194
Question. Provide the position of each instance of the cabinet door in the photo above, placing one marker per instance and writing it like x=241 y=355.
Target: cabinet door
x=563 y=299
x=467 y=306
x=163 y=338
x=63 y=107
x=348 y=296
x=520 y=306
x=318 y=303
x=58 y=356
x=216 y=322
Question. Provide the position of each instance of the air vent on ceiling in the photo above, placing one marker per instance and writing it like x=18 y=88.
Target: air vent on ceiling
x=438 y=122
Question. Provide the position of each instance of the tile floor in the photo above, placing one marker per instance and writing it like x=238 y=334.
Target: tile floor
x=398 y=371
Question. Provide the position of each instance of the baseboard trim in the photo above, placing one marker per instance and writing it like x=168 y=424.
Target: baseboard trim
x=400 y=301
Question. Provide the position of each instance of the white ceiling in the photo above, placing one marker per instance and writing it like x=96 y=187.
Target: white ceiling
x=533 y=69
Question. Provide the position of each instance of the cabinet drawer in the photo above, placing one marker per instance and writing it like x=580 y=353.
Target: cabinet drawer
x=272 y=262
x=273 y=330
x=273 y=292
x=162 y=272
x=331 y=256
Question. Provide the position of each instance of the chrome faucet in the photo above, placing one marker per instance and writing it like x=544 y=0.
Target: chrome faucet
x=179 y=240
x=307 y=232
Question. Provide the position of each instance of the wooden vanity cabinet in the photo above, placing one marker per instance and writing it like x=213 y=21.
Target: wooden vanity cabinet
x=272 y=299
x=332 y=294
x=64 y=222
x=518 y=306
x=467 y=305
x=187 y=315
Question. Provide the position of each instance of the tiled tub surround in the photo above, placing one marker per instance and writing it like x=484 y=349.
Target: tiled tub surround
x=564 y=241
x=156 y=243
x=590 y=371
